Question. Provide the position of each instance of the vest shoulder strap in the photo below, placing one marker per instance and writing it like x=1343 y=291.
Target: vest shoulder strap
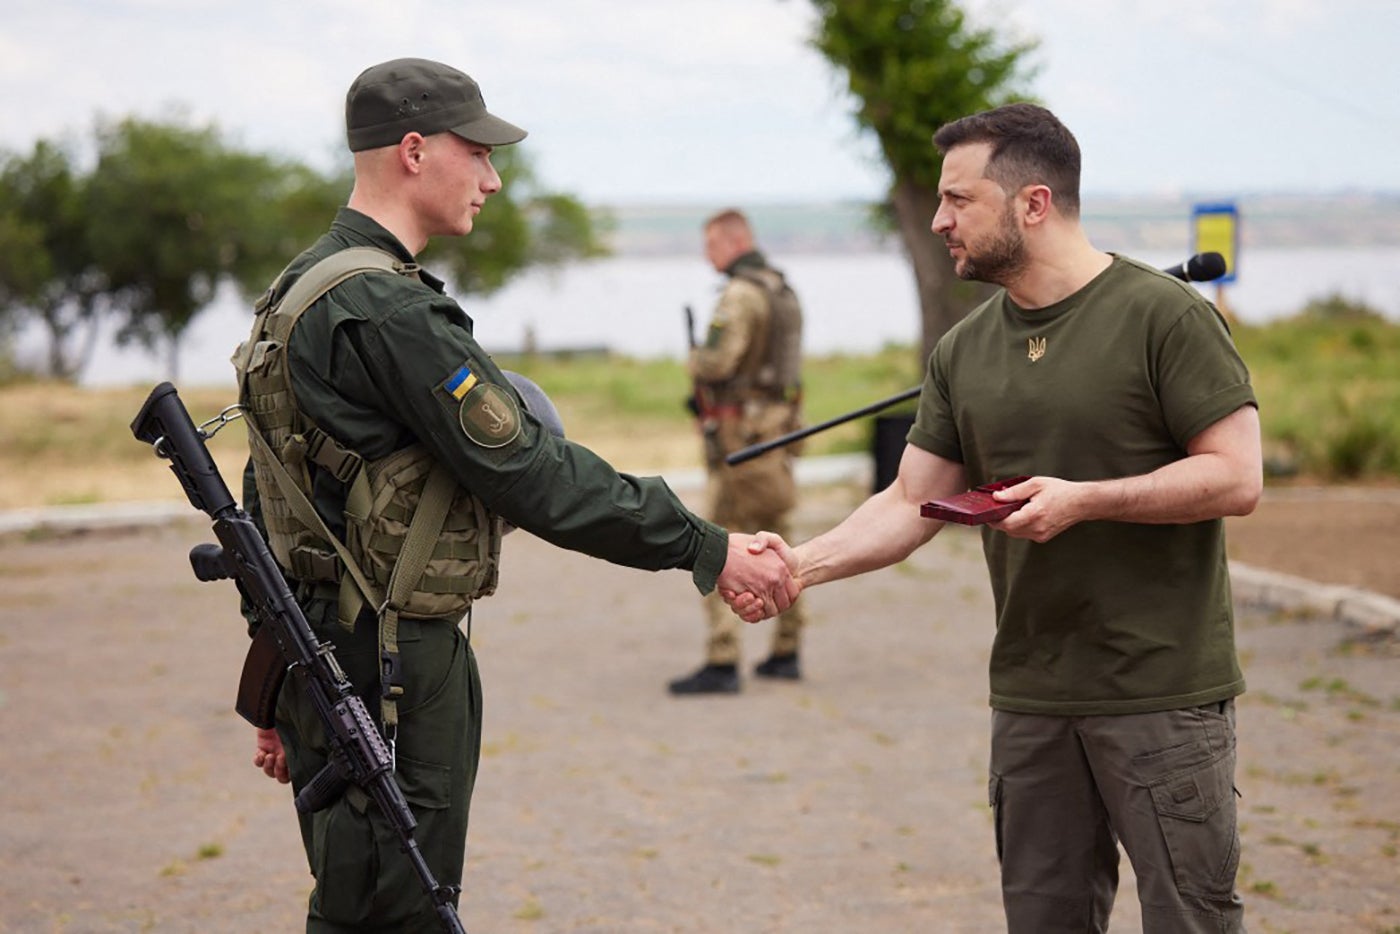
x=325 y=275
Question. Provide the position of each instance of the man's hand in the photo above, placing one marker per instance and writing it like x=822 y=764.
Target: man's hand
x=751 y=568
x=1053 y=506
x=270 y=756
x=748 y=606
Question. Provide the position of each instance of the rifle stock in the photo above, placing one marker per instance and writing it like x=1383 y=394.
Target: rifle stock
x=284 y=640
x=754 y=450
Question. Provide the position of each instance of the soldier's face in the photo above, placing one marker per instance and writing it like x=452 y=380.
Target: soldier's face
x=721 y=247
x=461 y=178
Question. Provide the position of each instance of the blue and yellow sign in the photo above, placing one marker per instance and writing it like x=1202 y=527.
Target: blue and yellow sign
x=1215 y=228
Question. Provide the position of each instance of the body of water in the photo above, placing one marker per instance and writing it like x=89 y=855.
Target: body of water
x=854 y=302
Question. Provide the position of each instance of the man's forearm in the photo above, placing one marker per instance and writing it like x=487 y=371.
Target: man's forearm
x=886 y=529
x=1222 y=475
x=1194 y=489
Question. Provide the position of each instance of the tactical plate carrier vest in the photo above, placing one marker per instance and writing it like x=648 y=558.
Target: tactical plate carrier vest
x=401 y=511
x=779 y=371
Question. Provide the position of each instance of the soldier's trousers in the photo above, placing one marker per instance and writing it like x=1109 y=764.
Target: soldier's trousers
x=1066 y=790
x=740 y=511
x=363 y=881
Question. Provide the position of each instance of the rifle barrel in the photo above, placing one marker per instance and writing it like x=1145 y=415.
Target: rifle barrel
x=754 y=450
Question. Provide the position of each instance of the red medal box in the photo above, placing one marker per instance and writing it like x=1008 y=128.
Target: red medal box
x=976 y=506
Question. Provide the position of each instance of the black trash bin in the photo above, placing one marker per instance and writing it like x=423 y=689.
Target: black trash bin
x=888 y=444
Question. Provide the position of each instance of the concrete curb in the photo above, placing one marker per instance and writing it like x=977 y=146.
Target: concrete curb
x=1369 y=615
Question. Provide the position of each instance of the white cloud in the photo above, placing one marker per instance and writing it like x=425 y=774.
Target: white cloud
x=723 y=99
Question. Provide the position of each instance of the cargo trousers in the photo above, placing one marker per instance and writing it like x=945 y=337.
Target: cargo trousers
x=1065 y=791
x=364 y=882
x=755 y=496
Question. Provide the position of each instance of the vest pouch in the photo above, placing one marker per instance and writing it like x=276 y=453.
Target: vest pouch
x=464 y=562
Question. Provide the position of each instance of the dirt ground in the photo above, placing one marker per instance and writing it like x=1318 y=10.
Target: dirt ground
x=1335 y=535
x=852 y=801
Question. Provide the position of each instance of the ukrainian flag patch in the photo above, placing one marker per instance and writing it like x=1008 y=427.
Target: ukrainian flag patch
x=460 y=383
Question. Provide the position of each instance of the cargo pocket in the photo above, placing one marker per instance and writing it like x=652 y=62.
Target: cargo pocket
x=994 y=801
x=1196 y=811
x=345 y=862
x=424 y=784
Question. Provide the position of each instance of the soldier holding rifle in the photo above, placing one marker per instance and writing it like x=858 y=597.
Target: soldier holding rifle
x=747 y=388
x=1118 y=392
x=382 y=431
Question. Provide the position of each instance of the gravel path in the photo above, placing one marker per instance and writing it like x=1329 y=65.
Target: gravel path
x=852 y=801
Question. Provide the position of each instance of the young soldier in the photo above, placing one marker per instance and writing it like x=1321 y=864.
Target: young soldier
x=370 y=405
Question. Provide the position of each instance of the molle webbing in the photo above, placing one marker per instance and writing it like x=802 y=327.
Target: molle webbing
x=382 y=496
x=416 y=544
x=779 y=373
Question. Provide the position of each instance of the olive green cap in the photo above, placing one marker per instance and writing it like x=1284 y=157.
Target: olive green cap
x=409 y=95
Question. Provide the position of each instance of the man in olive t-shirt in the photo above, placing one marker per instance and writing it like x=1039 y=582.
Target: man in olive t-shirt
x=1118 y=392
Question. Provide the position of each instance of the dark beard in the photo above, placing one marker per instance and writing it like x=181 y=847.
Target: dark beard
x=1002 y=258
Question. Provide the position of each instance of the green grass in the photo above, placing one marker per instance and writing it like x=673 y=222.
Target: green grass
x=649 y=395
x=1328 y=383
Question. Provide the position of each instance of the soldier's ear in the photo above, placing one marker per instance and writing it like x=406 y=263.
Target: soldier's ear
x=411 y=151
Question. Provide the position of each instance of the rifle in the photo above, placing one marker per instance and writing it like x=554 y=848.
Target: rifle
x=283 y=639
x=701 y=402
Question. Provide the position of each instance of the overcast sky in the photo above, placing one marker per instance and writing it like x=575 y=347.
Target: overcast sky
x=722 y=101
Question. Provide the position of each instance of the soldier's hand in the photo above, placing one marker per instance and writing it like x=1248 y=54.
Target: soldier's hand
x=753 y=569
x=271 y=757
x=750 y=607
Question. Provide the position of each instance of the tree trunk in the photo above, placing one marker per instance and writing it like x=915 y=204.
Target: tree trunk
x=172 y=359
x=943 y=298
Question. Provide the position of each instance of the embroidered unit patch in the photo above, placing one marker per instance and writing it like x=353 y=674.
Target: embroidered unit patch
x=490 y=415
x=460 y=383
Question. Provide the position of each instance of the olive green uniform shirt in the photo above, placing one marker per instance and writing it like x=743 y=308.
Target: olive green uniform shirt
x=379 y=363
x=1113 y=381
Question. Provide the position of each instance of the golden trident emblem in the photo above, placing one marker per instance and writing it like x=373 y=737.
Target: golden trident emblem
x=1035 y=348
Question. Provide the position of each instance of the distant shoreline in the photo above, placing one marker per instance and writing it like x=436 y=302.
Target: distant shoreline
x=1129 y=223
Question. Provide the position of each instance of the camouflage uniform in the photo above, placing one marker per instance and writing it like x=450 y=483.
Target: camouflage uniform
x=743 y=403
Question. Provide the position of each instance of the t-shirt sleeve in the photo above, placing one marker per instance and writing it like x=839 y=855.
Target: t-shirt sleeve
x=1200 y=375
x=935 y=430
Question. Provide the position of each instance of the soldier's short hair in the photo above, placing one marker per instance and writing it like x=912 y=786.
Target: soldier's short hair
x=732 y=218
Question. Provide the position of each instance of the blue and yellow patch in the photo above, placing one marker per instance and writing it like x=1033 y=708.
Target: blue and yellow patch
x=460 y=383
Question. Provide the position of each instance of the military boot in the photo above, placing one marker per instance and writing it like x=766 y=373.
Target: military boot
x=785 y=667
x=709 y=679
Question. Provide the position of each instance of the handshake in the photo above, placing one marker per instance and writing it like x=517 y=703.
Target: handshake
x=759 y=579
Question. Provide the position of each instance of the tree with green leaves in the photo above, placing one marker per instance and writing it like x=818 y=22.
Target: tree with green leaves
x=174 y=212
x=524 y=225
x=171 y=213
x=913 y=65
x=47 y=271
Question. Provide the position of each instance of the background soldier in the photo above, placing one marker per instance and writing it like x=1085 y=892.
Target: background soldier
x=747 y=378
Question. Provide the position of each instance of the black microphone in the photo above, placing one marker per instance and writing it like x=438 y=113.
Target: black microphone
x=1203 y=267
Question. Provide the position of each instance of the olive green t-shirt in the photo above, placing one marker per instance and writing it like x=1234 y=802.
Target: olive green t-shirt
x=383 y=360
x=1113 y=381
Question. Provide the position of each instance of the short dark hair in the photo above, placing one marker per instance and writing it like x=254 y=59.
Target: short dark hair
x=729 y=217
x=1030 y=146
